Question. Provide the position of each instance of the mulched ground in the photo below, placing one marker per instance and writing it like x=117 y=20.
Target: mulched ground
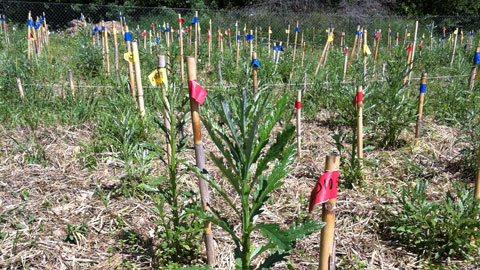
x=33 y=226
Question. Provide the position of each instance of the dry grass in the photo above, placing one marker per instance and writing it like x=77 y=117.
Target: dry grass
x=63 y=193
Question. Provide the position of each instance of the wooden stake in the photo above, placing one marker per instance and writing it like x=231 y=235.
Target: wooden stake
x=474 y=71
x=20 y=88
x=251 y=44
x=70 y=81
x=130 y=68
x=477 y=182
x=345 y=65
x=200 y=160
x=238 y=47
x=298 y=106
x=115 y=49
x=322 y=57
x=181 y=46
x=295 y=44
x=365 y=39
x=327 y=240
x=196 y=37
x=107 y=53
x=269 y=33
x=166 y=120
x=357 y=34
x=138 y=78
x=409 y=59
x=254 y=73
x=423 y=85
x=454 y=46
x=405 y=37
x=288 y=35
x=377 y=45
x=359 y=123
x=413 y=52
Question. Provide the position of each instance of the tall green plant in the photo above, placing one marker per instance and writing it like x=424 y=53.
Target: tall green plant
x=253 y=166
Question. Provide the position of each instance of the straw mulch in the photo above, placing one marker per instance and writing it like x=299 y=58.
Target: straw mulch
x=33 y=227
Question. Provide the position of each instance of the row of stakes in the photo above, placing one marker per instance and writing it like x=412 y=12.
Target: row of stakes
x=38 y=37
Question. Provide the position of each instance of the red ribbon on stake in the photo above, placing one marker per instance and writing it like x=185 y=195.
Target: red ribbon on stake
x=358 y=98
x=325 y=189
x=197 y=92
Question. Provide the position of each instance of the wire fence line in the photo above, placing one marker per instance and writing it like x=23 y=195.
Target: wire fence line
x=60 y=15
x=230 y=86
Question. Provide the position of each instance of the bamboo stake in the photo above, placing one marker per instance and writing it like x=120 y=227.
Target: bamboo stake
x=327 y=240
x=345 y=65
x=365 y=39
x=359 y=104
x=330 y=34
x=196 y=37
x=405 y=37
x=342 y=40
x=477 y=182
x=138 y=78
x=357 y=34
x=209 y=40
x=298 y=106
x=29 y=46
x=70 y=81
x=269 y=33
x=130 y=68
x=238 y=47
x=377 y=45
x=421 y=97
x=254 y=73
x=295 y=44
x=409 y=59
x=454 y=46
x=200 y=160
x=115 y=49
x=102 y=25
x=303 y=49
x=167 y=39
x=163 y=89
x=389 y=40
x=107 y=53
x=473 y=73
x=360 y=43
x=181 y=46
x=288 y=35
x=322 y=56
x=251 y=44
x=413 y=51
x=20 y=88
x=229 y=40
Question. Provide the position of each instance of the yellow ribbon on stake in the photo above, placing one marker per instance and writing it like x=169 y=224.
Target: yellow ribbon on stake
x=287 y=31
x=131 y=57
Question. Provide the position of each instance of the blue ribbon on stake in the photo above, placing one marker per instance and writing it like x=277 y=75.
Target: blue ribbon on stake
x=178 y=35
x=195 y=20
x=159 y=28
x=157 y=39
x=255 y=63
x=120 y=16
x=168 y=30
x=128 y=36
x=30 y=23
x=297 y=29
x=438 y=42
x=274 y=48
x=423 y=87
x=280 y=48
x=476 y=58
x=93 y=32
x=103 y=28
x=249 y=37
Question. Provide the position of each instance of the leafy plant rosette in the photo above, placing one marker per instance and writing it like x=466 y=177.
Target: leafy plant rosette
x=253 y=166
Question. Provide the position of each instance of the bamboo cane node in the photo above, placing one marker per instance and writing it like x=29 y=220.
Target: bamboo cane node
x=330 y=206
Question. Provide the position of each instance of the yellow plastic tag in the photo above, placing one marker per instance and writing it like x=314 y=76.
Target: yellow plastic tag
x=366 y=49
x=330 y=38
x=158 y=76
x=287 y=31
x=269 y=31
x=131 y=57
x=455 y=32
x=408 y=34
